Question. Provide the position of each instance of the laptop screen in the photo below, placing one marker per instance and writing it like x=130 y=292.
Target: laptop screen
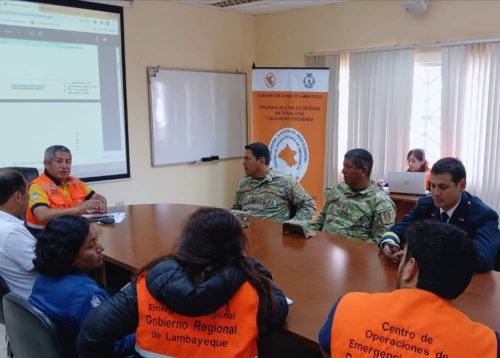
x=407 y=182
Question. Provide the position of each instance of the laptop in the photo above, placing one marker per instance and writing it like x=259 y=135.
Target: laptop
x=407 y=182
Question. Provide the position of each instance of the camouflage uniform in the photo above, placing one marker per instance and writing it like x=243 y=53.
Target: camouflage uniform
x=364 y=215
x=273 y=197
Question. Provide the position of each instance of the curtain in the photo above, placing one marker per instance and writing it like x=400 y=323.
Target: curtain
x=343 y=118
x=379 y=110
x=331 y=143
x=470 y=115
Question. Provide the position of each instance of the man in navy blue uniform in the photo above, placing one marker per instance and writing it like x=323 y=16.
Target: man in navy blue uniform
x=450 y=203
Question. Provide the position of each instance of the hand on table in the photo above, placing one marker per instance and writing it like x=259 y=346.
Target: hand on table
x=93 y=206
x=393 y=252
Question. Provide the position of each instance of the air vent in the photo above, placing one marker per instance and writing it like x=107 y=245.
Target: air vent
x=230 y=3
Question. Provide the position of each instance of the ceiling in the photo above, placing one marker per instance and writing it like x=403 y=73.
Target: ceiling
x=257 y=7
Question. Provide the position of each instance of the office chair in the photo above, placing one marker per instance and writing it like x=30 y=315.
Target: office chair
x=4 y=289
x=29 y=173
x=31 y=333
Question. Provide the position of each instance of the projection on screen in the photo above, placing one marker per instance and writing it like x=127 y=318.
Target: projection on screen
x=62 y=82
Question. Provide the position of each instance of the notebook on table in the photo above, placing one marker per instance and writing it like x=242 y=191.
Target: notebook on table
x=407 y=182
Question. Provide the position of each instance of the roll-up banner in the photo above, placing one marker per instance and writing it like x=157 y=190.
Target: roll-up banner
x=289 y=115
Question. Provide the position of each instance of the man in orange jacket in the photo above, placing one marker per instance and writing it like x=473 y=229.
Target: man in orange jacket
x=417 y=319
x=56 y=192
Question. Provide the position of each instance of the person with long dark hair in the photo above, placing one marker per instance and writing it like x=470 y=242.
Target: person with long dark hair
x=207 y=299
x=66 y=250
x=416 y=161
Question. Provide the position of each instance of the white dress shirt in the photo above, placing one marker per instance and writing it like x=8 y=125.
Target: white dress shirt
x=449 y=212
x=17 y=250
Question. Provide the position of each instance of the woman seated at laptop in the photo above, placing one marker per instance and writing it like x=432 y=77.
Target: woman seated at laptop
x=417 y=163
x=207 y=299
x=66 y=250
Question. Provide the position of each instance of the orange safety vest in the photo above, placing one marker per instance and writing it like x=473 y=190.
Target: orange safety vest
x=57 y=200
x=231 y=331
x=407 y=323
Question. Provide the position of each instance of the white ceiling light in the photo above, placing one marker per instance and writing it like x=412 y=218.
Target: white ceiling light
x=416 y=7
x=258 y=7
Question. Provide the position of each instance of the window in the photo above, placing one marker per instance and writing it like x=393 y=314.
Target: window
x=425 y=130
x=343 y=107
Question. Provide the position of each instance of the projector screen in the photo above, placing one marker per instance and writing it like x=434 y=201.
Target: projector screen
x=62 y=81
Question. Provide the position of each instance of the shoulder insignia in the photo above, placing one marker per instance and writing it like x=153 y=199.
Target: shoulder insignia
x=95 y=301
x=386 y=217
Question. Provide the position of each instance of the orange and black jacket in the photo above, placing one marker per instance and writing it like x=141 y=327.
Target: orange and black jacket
x=168 y=283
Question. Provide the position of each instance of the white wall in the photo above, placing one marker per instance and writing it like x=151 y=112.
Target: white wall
x=284 y=38
x=176 y=35
x=173 y=35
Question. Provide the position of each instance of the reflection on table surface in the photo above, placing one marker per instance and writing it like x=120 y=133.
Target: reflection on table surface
x=314 y=273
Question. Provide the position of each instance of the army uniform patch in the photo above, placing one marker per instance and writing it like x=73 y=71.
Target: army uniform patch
x=386 y=217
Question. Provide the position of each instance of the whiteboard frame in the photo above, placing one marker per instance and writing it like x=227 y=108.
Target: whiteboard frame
x=151 y=72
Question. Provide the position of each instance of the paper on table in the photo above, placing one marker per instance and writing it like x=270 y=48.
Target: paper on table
x=119 y=216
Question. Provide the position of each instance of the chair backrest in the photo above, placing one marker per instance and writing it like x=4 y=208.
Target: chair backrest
x=29 y=173
x=4 y=289
x=31 y=333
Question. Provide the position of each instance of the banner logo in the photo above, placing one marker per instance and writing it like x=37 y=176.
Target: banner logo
x=289 y=153
x=309 y=81
x=270 y=80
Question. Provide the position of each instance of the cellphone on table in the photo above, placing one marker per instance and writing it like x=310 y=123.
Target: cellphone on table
x=394 y=249
x=107 y=220
x=293 y=229
x=103 y=219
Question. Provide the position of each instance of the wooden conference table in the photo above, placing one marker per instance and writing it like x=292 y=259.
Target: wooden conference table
x=314 y=273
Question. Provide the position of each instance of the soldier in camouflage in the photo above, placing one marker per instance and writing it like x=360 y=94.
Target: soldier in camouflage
x=268 y=194
x=357 y=208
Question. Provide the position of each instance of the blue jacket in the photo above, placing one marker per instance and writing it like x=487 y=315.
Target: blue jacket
x=170 y=284
x=471 y=215
x=67 y=300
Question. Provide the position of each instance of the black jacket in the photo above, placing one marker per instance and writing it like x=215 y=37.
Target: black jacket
x=168 y=283
x=471 y=215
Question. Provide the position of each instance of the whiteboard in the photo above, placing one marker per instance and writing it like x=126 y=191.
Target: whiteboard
x=196 y=116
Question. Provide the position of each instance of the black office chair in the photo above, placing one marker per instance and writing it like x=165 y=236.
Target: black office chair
x=29 y=173
x=31 y=333
x=4 y=289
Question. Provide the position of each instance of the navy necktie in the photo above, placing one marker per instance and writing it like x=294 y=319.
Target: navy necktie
x=444 y=217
